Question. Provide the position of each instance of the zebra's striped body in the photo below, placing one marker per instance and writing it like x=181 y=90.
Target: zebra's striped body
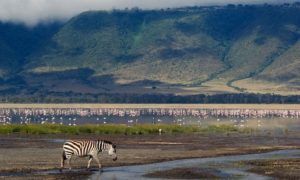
x=87 y=148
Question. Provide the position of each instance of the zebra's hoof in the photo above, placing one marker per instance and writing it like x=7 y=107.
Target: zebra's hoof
x=88 y=169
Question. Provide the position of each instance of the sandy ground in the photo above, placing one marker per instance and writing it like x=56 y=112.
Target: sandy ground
x=23 y=155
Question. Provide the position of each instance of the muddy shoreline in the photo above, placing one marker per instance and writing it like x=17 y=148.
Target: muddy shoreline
x=185 y=173
x=24 y=155
x=282 y=164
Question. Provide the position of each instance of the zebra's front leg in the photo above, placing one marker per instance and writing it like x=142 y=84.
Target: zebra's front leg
x=89 y=162
x=95 y=156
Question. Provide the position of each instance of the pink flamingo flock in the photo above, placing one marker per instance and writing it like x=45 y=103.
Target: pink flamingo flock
x=49 y=114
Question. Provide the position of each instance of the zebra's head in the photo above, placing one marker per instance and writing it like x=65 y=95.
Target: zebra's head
x=109 y=147
x=113 y=152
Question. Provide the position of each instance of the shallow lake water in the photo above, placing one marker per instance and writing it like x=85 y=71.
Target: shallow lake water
x=181 y=116
x=278 y=120
x=222 y=164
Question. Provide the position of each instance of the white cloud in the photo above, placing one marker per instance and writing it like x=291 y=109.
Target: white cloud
x=32 y=12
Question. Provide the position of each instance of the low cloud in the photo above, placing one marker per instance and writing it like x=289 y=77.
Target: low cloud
x=31 y=12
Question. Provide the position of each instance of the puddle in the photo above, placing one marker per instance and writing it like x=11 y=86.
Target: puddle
x=11 y=174
x=137 y=172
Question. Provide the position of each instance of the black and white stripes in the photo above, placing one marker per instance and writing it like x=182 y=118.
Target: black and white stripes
x=87 y=148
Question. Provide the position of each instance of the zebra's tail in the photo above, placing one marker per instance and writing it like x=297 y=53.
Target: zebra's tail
x=63 y=158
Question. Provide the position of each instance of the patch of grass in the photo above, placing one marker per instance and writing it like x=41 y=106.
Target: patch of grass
x=262 y=86
x=114 y=129
x=220 y=128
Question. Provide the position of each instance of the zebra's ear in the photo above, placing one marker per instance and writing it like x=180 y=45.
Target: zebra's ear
x=114 y=146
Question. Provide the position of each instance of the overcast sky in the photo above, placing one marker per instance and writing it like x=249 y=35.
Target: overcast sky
x=32 y=12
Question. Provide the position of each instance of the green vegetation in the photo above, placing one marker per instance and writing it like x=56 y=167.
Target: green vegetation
x=116 y=129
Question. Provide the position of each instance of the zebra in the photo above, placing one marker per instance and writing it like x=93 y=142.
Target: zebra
x=87 y=148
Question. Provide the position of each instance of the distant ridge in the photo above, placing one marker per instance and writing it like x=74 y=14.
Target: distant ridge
x=185 y=51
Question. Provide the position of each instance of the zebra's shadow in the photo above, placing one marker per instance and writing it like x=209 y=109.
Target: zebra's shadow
x=77 y=170
x=96 y=170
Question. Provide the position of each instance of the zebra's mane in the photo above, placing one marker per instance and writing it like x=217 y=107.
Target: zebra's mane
x=105 y=141
x=108 y=142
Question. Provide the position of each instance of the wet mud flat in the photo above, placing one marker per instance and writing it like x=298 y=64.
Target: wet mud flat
x=38 y=156
x=46 y=174
x=185 y=173
x=282 y=164
x=279 y=168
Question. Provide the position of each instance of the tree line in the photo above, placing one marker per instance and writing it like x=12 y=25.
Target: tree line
x=242 y=98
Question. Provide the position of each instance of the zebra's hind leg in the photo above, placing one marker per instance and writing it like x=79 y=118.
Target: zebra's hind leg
x=89 y=162
x=69 y=162
x=63 y=158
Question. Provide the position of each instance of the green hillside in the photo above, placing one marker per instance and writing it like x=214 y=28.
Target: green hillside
x=194 y=50
x=17 y=43
x=134 y=45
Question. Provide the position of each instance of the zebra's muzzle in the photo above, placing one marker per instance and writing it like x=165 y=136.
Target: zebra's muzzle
x=115 y=158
